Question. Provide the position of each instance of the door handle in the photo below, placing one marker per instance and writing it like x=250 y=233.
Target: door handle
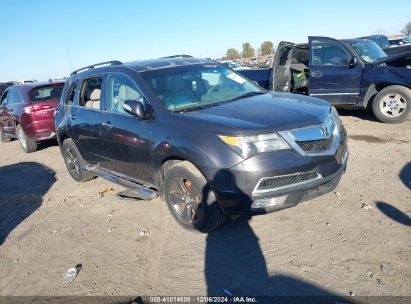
x=74 y=117
x=107 y=125
x=316 y=74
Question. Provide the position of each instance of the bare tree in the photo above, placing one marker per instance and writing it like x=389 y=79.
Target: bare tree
x=407 y=29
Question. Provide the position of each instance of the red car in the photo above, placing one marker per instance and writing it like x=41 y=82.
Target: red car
x=27 y=113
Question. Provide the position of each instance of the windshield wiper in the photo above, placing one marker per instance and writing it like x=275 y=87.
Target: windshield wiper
x=249 y=94
x=199 y=107
x=208 y=105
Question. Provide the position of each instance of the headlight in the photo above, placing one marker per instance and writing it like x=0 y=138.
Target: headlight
x=247 y=146
x=336 y=117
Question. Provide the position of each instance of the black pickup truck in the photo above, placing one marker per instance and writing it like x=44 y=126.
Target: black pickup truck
x=353 y=73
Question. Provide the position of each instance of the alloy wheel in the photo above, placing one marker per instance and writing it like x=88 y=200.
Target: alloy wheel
x=22 y=138
x=185 y=199
x=72 y=161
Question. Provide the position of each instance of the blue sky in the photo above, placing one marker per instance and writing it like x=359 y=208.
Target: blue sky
x=35 y=35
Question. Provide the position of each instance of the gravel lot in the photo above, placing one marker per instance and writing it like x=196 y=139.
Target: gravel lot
x=355 y=240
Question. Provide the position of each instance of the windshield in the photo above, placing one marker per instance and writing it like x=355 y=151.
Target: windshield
x=368 y=50
x=192 y=87
x=384 y=43
x=233 y=65
x=46 y=93
x=407 y=39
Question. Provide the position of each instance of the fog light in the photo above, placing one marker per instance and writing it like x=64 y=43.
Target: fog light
x=268 y=203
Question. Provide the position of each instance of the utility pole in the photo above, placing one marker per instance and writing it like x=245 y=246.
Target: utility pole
x=69 y=60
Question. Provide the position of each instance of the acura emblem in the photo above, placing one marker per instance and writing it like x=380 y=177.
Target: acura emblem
x=325 y=131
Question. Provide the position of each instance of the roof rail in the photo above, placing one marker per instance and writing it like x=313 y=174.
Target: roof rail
x=89 y=67
x=178 y=56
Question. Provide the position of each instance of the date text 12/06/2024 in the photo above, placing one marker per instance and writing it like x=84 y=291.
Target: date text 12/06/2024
x=195 y=299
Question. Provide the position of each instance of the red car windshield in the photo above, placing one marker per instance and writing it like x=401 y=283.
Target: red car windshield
x=46 y=93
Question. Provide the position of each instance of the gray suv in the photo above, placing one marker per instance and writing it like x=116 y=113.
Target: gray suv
x=205 y=139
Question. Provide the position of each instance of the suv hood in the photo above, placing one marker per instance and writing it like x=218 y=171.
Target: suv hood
x=262 y=113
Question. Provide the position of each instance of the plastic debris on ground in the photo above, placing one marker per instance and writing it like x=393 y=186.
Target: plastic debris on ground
x=72 y=273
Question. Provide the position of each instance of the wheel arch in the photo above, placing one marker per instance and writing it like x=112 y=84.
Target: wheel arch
x=166 y=164
x=61 y=137
x=374 y=89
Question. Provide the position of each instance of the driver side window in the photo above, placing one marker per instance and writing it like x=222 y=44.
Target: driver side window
x=329 y=53
x=121 y=88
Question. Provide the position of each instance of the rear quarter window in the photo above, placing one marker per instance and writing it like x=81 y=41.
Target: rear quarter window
x=46 y=93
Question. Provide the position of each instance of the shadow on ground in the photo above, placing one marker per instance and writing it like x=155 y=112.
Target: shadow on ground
x=235 y=264
x=405 y=175
x=22 y=187
x=361 y=114
x=394 y=213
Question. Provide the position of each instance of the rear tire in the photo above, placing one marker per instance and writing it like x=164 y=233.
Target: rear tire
x=4 y=138
x=191 y=201
x=392 y=104
x=28 y=145
x=72 y=159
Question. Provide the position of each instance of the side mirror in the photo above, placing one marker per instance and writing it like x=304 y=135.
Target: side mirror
x=353 y=62
x=136 y=108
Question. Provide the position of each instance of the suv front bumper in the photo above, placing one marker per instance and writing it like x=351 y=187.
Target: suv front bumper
x=238 y=192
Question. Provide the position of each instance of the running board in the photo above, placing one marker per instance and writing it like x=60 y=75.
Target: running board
x=134 y=191
x=141 y=193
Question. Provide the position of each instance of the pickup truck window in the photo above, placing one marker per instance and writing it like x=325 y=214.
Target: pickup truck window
x=190 y=87
x=284 y=56
x=368 y=50
x=329 y=53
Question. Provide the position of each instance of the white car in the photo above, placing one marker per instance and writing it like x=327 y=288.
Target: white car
x=26 y=81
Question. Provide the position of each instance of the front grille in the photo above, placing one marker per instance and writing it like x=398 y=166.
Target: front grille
x=317 y=145
x=285 y=180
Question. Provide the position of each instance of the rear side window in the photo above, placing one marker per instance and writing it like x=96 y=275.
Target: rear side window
x=11 y=97
x=46 y=93
x=3 y=100
x=18 y=98
x=90 y=93
x=71 y=93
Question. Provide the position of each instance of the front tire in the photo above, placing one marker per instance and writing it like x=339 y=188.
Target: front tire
x=72 y=159
x=191 y=201
x=392 y=104
x=28 y=145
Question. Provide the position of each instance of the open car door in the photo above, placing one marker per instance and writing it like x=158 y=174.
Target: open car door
x=281 y=67
x=335 y=71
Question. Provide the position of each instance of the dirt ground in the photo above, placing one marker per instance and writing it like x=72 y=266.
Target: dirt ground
x=353 y=241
